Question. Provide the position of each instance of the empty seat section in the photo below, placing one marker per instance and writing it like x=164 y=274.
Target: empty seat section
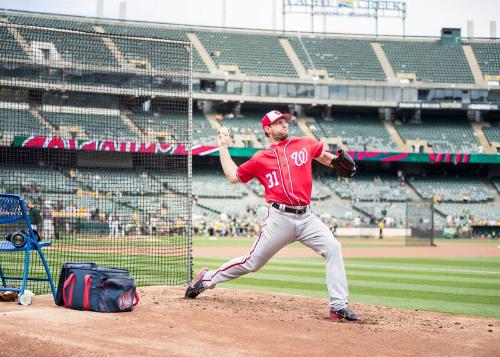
x=19 y=121
x=358 y=131
x=348 y=59
x=173 y=127
x=368 y=188
x=87 y=125
x=123 y=181
x=35 y=179
x=9 y=47
x=153 y=32
x=492 y=133
x=451 y=189
x=203 y=133
x=67 y=24
x=429 y=61
x=488 y=57
x=73 y=48
x=445 y=135
x=215 y=185
x=254 y=54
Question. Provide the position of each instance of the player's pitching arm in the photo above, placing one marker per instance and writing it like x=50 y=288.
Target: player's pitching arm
x=228 y=165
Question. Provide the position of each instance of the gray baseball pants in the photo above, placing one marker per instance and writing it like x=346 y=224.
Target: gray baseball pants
x=279 y=229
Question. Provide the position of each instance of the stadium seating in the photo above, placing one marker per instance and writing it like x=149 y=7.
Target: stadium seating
x=493 y=132
x=171 y=181
x=36 y=179
x=451 y=189
x=446 y=135
x=154 y=32
x=19 y=121
x=496 y=183
x=86 y=125
x=368 y=188
x=254 y=54
x=477 y=212
x=359 y=131
x=429 y=60
x=250 y=124
x=233 y=207
x=395 y=213
x=488 y=57
x=51 y=22
x=203 y=133
x=215 y=185
x=172 y=126
x=75 y=48
x=9 y=47
x=118 y=180
x=348 y=59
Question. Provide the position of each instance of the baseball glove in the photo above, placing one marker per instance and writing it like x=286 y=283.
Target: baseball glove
x=344 y=164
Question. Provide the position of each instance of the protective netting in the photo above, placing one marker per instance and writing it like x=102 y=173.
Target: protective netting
x=419 y=223
x=95 y=131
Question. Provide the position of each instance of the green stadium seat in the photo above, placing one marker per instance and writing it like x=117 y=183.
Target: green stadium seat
x=429 y=61
x=488 y=57
x=360 y=132
x=254 y=54
x=347 y=59
x=451 y=189
x=445 y=134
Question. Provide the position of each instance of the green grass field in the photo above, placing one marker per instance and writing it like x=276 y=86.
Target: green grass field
x=465 y=286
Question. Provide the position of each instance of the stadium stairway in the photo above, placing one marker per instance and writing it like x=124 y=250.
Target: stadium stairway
x=384 y=62
x=478 y=132
x=40 y=118
x=393 y=133
x=126 y=120
x=108 y=42
x=474 y=65
x=292 y=56
x=202 y=51
x=20 y=39
x=301 y=123
x=492 y=189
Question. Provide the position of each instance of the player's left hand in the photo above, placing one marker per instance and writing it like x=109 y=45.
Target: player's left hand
x=344 y=164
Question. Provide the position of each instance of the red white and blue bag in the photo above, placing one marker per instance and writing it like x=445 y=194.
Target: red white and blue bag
x=85 y=286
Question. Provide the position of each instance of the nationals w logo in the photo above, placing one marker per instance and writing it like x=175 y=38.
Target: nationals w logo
x=300 y=157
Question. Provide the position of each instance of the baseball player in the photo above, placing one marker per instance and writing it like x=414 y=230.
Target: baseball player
x=284 y=169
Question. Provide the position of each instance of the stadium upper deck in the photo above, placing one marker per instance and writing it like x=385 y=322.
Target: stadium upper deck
x=277 y=66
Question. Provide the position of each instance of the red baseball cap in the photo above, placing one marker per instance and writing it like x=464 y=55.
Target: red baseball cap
x=274 y=115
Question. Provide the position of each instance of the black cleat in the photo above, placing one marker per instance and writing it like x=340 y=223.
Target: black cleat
x=345 y=314
x=196 y=287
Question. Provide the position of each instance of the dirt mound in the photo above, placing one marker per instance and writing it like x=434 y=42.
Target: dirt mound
x=225 y=322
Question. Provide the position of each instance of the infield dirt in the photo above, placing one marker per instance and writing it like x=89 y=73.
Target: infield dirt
x=224 y=322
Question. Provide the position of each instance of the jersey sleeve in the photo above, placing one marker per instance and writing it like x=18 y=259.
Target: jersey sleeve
x=315 y=147
x=247 y=170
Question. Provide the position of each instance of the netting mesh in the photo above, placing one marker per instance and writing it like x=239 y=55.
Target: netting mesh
x=420 y=223
x=95 y=131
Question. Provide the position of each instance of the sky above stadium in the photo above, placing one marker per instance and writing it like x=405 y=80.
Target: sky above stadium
x=425 y=17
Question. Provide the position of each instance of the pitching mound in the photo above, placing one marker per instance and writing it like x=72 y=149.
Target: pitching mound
x=224 y=322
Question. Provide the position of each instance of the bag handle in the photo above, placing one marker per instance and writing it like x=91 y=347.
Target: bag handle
x=68 y=300
x=136 y=298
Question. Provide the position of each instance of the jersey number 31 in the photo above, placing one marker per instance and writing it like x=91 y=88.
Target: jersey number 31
x=273 y=179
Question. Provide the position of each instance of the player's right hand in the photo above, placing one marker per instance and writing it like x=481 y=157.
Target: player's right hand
x=223 y=138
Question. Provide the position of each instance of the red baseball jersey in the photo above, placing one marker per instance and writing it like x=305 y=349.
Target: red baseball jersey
x=284 y=170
